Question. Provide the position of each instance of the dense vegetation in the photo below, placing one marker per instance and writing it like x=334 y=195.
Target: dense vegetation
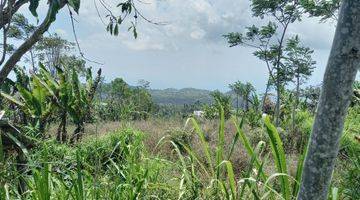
x=66 y=133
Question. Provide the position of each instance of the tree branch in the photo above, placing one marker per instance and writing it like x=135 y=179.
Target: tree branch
x=26 y=46
x=8 y=12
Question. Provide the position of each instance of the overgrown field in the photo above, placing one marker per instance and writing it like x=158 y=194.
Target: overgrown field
x=178 y=159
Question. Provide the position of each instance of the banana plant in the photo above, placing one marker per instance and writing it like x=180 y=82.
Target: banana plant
x=33 y=102
x=81 y=101
x=61 y=91
x=70 y=97
x=9 y=87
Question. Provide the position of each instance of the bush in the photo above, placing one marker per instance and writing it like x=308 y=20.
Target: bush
x=96 y=153
x=350 y=140
x=351 y=177
x=210 y=112
x=180 y=138
x=114 y=166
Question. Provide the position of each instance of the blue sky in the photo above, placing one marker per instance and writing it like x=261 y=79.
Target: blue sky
x=189 y=50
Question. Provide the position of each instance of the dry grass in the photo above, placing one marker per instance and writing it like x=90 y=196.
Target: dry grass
x=158 y=133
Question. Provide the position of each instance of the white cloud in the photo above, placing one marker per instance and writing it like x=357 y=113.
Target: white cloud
x=191 y=41
x=142 y=44
x=202 y=20
x=198 y=34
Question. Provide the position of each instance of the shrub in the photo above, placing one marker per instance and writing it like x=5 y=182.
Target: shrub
x=180 y=138
x=95 y=152
x=350 y=142
x=351 y=176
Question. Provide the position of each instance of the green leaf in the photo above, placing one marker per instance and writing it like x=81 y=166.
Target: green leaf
x=279 y=156
x=18 y=143
x=204 y=143
x=41 y=83
x=236 y=138
x=75 y=4
x=11 y=99
x=135 y=32
x=231 y=177
x=55 y=7
x=299 y=170
x=34 y=4
x=246 y=143
x=116 y=30
x=111 y=28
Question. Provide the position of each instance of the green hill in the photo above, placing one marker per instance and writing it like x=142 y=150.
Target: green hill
x=180 y=96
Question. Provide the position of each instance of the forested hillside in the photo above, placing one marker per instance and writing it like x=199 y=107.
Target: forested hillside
x=181 y=96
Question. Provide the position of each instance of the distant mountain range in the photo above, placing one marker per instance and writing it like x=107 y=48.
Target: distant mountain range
x=180 y=96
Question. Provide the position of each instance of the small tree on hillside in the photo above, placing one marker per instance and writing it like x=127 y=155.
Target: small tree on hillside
x=248 y=90
x=310 y=96
x=119 y=89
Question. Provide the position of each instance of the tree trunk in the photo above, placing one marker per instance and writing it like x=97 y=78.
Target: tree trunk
x=296 y=103
x=265 y=95
x=237 y=105
x=247 y=103
x=32 y=60
x=343 y=63
x=277 y=107
x=61 y=132
x=78 y=132
x=8 y=12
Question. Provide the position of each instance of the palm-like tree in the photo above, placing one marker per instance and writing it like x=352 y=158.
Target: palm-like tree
x=235 y=87
x=71 y=97
x=61 y=96
x=81 y=102
x=245 y=90
x=60 y=90
x=33 y=102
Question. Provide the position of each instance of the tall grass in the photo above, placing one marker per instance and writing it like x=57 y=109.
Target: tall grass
x=117 y=166
x=216 y=175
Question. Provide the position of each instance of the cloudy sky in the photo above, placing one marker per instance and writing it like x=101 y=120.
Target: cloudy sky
x=189 y=50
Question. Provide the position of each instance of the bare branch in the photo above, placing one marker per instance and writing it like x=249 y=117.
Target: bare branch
x=77 y=41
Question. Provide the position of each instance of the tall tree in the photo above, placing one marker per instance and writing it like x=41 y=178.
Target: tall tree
x=283 y=13
x=340 y=74
x=235 y=87
x=21 y=29
x=298 y=58
x=260 y=39
x=311 y=96
x=52 y=49
x=245 y=90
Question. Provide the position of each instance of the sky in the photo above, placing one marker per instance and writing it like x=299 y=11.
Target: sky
x=189 y=50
